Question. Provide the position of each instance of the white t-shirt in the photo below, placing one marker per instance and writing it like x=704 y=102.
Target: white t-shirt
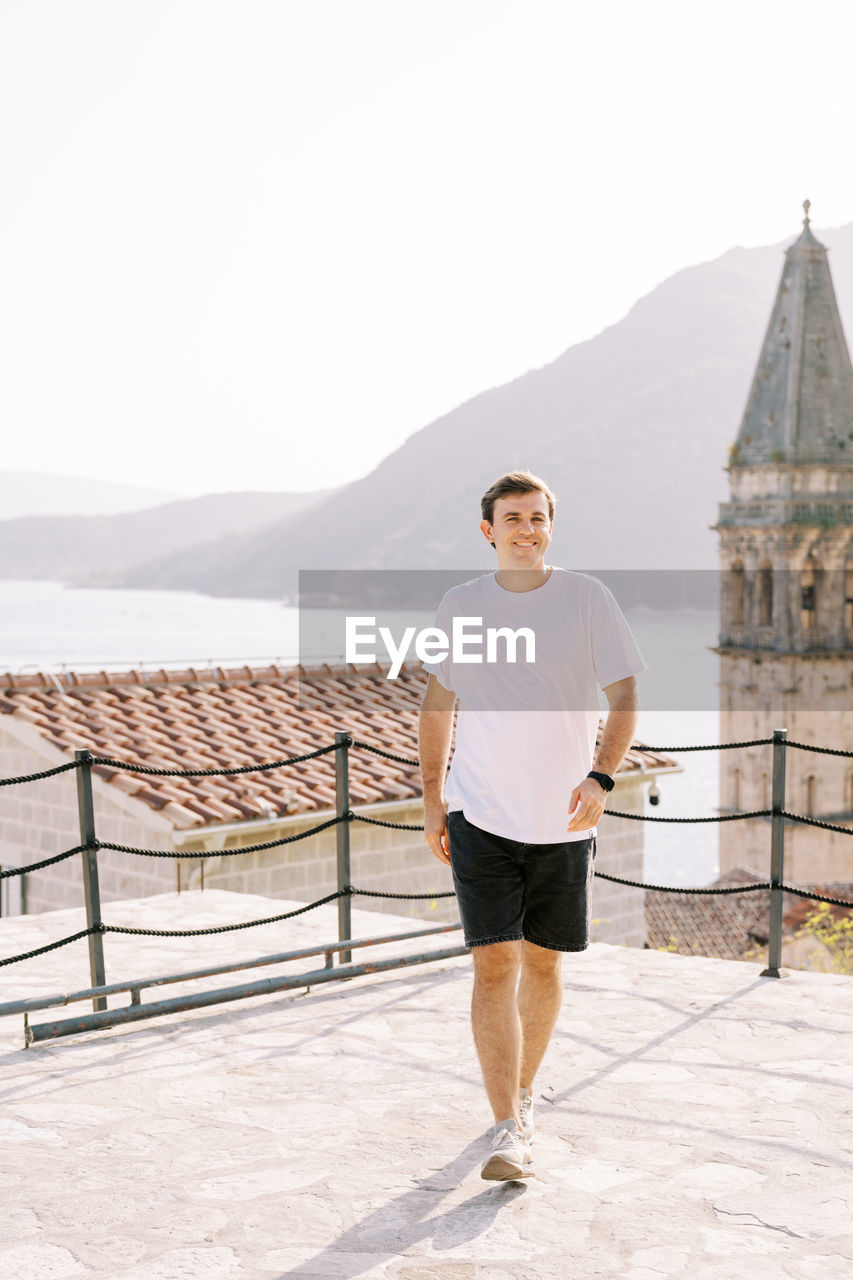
x=525 y=732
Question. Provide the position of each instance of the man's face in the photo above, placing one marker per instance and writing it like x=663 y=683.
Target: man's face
x=520 y=530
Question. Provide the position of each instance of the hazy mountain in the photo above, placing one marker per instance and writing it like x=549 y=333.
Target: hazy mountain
x=631 y=429
x=35 y=493
x=100 y=549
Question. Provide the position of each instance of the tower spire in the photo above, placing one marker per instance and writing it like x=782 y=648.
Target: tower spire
x=800 y=408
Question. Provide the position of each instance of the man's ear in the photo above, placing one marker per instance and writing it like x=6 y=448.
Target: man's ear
x=486 y=530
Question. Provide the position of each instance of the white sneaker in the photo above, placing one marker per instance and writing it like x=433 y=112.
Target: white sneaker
x=509 y=1155
x=528 y=1119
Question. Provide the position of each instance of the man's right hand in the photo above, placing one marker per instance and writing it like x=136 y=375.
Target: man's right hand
x=435 y=830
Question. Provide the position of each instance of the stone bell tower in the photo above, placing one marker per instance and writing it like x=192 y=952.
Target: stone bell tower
x=786 y=562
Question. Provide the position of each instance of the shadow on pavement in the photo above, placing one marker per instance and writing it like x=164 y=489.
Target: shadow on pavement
x=409 y=1219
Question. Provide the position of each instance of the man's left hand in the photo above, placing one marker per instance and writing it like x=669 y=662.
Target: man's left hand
x=589 y=798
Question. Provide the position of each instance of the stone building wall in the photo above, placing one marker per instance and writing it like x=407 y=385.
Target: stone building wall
x=380 y=858
x=618 y=914
x=39 y=819
x=817 y=785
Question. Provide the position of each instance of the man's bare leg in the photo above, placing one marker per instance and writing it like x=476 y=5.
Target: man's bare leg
x=540 y=993
x=496 y=1024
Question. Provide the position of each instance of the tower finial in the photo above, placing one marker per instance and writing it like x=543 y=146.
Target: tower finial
x=807 y=204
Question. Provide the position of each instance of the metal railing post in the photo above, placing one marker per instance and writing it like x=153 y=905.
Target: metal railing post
x=777 y=855
x=91 y=889
x=342 y=742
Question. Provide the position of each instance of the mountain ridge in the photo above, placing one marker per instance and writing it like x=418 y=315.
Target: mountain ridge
x=47 y=493
x=631 y=428
x=100 y=549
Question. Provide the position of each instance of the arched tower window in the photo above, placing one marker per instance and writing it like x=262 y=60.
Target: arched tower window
x=809 y=579
x=848 y=602
x=765 y=595
x=811 y=793
x=738 y=592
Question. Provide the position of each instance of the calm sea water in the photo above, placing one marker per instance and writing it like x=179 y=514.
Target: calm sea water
x=47 y=625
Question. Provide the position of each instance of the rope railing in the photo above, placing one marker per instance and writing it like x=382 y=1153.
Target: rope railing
x=223 y=928
x=352 y=816
x=232 y=770
x=37 y=777
x=352 y=891
x=52 y=946
x=45 y=862
x=137 y=766
x=345 y=816
x=808 y=821
x=222 y=853
x=824 y=751
x=714 y=817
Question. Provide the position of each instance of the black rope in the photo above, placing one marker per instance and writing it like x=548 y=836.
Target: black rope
x=45 y=773
x=613 y=813
x=668 y=888
x=816 y=822
x=46 y=862
x=386 y=755
x=720 y=817
x=224 y=928
x=52 y=946
x=824 y=751
x=407 y=897
x=380 y=822
x=818 y=897
x=709 y=746
x=217 y=853
x=211 y=773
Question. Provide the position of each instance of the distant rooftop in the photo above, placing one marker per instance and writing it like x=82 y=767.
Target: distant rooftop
x=731 y=926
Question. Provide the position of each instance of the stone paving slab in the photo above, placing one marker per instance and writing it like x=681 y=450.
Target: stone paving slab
x=694 y=1120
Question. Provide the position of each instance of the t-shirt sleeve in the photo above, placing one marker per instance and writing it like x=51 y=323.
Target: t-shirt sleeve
x=442 y=670
x=615 y=653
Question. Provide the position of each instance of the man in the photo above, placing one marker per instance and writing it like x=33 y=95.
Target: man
x=516 y=820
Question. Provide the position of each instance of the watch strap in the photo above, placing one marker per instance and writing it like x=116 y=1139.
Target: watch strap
x=604 y=779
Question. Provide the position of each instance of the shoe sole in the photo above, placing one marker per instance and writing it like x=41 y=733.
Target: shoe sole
x=499 y=1170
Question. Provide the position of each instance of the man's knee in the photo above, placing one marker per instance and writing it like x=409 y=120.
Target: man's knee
x=540 y=961
x=496 y=962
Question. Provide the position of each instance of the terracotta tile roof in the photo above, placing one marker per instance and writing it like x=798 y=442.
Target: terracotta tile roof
x=728 y=927
x=214 y=717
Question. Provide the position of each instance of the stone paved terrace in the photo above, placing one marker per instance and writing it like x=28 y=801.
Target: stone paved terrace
x=694 y=1120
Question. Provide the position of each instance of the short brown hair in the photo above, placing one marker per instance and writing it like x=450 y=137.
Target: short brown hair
x=515 y=482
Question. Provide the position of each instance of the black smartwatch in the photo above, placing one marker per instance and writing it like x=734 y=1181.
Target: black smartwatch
x=603 y=779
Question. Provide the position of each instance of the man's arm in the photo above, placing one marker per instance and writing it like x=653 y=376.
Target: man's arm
x=435 y=730
x=619 y=729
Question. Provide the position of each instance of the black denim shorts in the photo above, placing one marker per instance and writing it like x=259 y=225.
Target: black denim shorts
x=508 y=890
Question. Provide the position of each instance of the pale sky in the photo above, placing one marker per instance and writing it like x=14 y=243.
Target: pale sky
x=255 y=244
